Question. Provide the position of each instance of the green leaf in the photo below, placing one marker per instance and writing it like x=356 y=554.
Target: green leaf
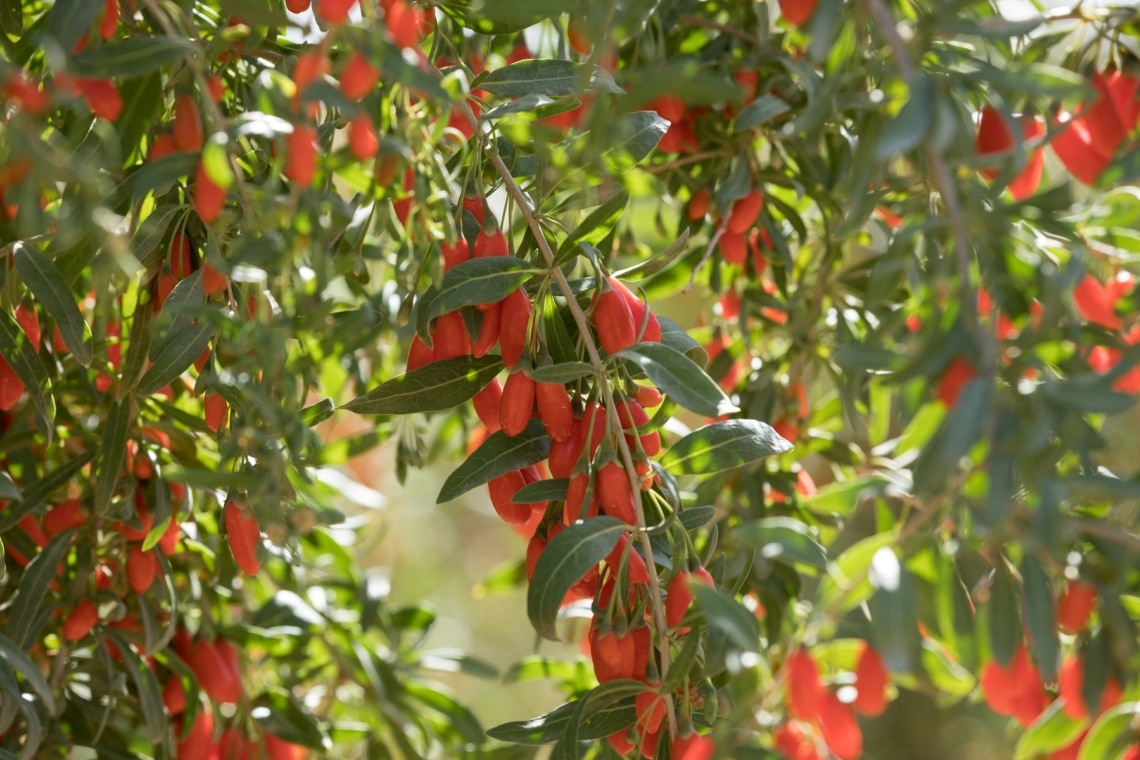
x=906 y=130
x=497 y=455
x=563 y=563
x=504 y=16
x=177 y=353
x=51 y=289
x=541 y=730
x=561 y=373
x=9 y=491
x=19 y=662
x=21 y=356
x=659 y=262
x=783 y=539
x=1005 y=622
x=459 y=717
x=1052 y=730
x=434 y=387
x=959 y=431
x=1040 y=617
x=604 y=216
x=697 y=517
x=893 y=608
x=478 y=281
x=281 y=715
x=525 y=104
x=142 y=101
x=38 y=492
x=842 y=497
x=606 y=709
x=637 y=134
x=68 y=20
x=723 y=446
x=680 y=378
x=724 y=613
x=1108 y=732
x=536 y=666
x=551 y=489
x=113 y=454
x=675 y=337
x=546 y=77
x=760 y=112
x=846 y=584
x=32 y=592
x=259 y=12
x=149 y=693
x=131 y=57
x=138 y=347
x=159 y=173
x=179 y=311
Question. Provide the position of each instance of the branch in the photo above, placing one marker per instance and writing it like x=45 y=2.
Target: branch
x=583 y=324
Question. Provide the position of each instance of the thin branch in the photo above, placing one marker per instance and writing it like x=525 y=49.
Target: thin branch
x=583 y=324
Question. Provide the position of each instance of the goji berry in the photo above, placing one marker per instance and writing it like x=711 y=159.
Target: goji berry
x=502 y=489
x=187 y=124
x=142 y=567
x=243 y=535
x=358 y=77
x=363 y=140
x=745 y=211
x=517 y=404
x=614 y=495
x=514 y=327
x=1076 y=606
x=554 y=409
x=613 y=319
x=871 y=680
x=80 y=621
x=301 y=160
x=209 y=197
x=217 y=410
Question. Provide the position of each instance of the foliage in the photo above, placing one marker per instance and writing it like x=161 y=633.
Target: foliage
x=892 y=455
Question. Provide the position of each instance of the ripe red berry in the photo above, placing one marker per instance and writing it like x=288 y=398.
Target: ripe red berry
x=517 y=403
x=334 y=11
x=798 y=12
x=174 y=695
x=81 y=620
x=692 y=747
x=187 y=124
x=199 y=742
x=142 y=567
x=514 y=327
x=554 y=409
x=405 y=23
x=614 y=495
x=109 y=24
x=298 y=6
x=489 y=330
x=745 y=211
x=213 y=281
x=209 y=198
x=301 y=160
x=613 y=319
x=216 y=411
x=1076 y=606
x=805 y=689
x=358 y=77
x=502 y=489
x=363 y=140
x=243 y=535
x=839 y=727
x=871 y=680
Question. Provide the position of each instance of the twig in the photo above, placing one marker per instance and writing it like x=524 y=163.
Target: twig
x=583 y=324
x=940 y=175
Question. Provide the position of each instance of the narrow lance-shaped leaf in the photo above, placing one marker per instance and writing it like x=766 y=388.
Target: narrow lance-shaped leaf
x=541 y=730
x=725 y=614
x=21 y=356
x=37 y=492
x=433 y=387
x=542 y=77
x=722 y=446
x=1040 y=617
x=895 y=628
x=1005 y=622
x=19 y=662
x=149 y=694
x=51 y=289
x=552 y=489
x=142 y=328
x=606 y=709
x=680 y=378
x=658 y=263
x=131 y=57
x=498 y=455
x=33 y=588
x=563 y=563
x=113 y=454
x=783 y=538
x=1052 y=730
x=178 y=352
x=479 y=281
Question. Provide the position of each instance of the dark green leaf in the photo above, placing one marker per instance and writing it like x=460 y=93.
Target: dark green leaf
x=142 y=100
x=906 y=130
x=659 y=262
x=131 y=57
x=1005 y=622
x=478 y=281
x=497 y=455
x=603 y=217
x=8 y=489
x=68 y=20
x=697 y=517
x=32 y=591
x=541 y=730
x=284 y=717
x=563 y=563
x=459 y=717
x=38 y=492
x=552 y=489
x=178 y=352
x=525 y=104
x=562 y=373
x=113 y=453
x=260 y=12
x=760 y=112
x=679 y=377
x=19 y=662
x=504 y=16
x=893 y=609
x=783 y=539
x=636 y=134
x=1040 y=617
x=723 y=446
x=137 y=349
x=22 y=358
x=725 y=614
x=545 y=77
x=51 y=289
x=161 y=172
x=606 y=709
x=149 y=693
x=433 y=387
x=179 y=311
x=675 y=337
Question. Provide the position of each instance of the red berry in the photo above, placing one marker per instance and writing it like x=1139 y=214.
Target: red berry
x=613 y=320
x=513 y=327
x=745 y=211
x=334 y=11
x=1076 y=606
x=244 y=536
x=517 y=404
x=358 y=77
x=805 y=689
x=187 y=125
x=798 y=12
x=554 y=409
x=871 y=679
x=363 y=140
x=216 y=411
x=502 y=489
x=142 y=567
x=301 y=163
x=449 y=336
x=81 y=620
x=213 y=281
x=839 y=727
x=614 y=495
x=199 y=742
x=174 y=695
x=209 y=198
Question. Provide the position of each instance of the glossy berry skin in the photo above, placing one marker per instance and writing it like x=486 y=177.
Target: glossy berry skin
x=613 y=320
x=798 y=12
x=358 y=77
x=555 y=411
x=614 y=495
x=80 y=621
x=871 y=680
x=243 y=535
x=514 y=326
x=805 y=689
x=363 y=141
x=301 y=164
x=1076 y=606
x=187 y=124
x=502 y=489
x=517 y=404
